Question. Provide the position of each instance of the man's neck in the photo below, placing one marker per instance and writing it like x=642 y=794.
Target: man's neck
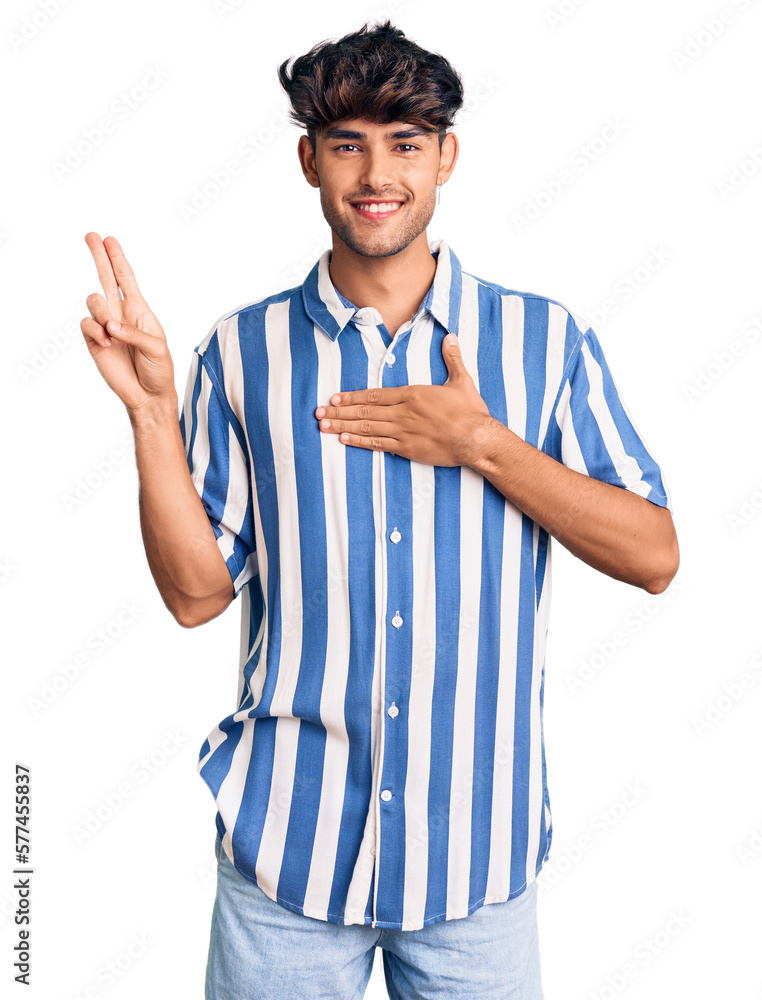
x=394 y=285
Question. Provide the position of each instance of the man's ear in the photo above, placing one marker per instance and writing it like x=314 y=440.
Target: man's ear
x=308 y=161
x=448 y=156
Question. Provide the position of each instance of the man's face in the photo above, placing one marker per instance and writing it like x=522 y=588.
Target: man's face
x=359 y=162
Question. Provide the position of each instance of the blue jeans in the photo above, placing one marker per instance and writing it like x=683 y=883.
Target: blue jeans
x=260 y=949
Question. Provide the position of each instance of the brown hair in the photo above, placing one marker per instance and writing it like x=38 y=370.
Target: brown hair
x=379 y=75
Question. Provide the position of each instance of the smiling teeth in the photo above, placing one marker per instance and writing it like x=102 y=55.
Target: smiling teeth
x=374 y=207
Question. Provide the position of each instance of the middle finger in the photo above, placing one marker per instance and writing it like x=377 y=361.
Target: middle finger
x=105 y=269
x=363 y=425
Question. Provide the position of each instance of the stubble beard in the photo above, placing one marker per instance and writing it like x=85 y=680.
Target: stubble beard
x=386 y=244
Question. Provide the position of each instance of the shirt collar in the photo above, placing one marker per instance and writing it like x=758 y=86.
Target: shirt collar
x=327 y=308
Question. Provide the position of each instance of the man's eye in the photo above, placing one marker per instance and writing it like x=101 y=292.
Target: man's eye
x=351 y=145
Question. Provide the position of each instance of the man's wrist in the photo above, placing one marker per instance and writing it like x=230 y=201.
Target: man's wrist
x=489 y=440
x=154 y=412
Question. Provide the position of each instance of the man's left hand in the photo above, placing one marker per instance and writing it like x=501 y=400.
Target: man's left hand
x=432 y=424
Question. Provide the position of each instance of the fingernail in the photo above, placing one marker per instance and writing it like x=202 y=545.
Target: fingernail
x=114 y=326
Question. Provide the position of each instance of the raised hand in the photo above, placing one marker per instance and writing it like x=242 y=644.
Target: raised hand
x=123 y=336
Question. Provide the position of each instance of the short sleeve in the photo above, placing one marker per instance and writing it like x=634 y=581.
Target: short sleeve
x=592 y=431
x=215 y=447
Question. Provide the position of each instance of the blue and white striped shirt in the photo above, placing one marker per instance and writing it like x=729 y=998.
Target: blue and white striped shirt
x=385 y=762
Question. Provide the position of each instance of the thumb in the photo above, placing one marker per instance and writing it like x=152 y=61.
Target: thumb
x=452 y=355
x=153 y=347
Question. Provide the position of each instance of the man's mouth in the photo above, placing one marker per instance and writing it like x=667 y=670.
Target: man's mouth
x=376 y=209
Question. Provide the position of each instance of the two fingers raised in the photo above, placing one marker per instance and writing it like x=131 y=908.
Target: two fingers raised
x=113 y=270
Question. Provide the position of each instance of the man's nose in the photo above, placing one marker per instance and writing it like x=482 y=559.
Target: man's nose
x=377 y=171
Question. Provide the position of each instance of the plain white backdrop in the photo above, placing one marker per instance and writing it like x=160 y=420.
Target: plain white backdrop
x=611 y=158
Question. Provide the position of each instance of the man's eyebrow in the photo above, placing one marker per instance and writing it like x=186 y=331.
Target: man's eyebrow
x=336 y=132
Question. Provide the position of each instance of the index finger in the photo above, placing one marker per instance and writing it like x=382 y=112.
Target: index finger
x=104 y=268
x=382 y=395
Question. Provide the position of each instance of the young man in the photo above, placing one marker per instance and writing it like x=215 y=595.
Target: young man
x=376 y=461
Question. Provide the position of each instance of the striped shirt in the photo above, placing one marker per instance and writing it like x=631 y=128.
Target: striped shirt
x=385 y=761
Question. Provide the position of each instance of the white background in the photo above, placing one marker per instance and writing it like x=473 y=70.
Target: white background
x=540 y=89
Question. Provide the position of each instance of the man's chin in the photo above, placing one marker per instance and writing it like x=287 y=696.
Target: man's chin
x=377 y=252
x=375 y=247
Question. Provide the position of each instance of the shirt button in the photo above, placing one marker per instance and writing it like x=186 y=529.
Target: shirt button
x=373 y=851
x=390 y=360
x=395 y=536
x=397 y=621
x=386 y=795
x=393 y=710
x=368 y=316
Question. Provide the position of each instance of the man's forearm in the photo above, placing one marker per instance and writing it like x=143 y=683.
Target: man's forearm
x=610 y=528
x=181 y=548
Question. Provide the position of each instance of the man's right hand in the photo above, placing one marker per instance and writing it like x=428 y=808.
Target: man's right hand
x=183 y=555
x=134 y=360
